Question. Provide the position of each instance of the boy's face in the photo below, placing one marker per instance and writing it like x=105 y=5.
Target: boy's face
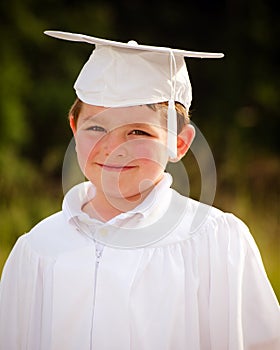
x=121 y=150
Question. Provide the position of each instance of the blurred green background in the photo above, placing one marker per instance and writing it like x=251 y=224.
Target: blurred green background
x=235 y=104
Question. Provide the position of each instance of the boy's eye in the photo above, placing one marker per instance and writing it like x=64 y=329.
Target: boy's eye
x=96 y=128
x=139 y=132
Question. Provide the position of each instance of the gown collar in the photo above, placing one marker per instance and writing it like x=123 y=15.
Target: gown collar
x=153 y=205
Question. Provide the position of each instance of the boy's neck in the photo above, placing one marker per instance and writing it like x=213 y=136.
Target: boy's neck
x=104 y=209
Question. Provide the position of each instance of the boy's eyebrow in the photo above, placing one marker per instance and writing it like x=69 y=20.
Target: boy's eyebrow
x=89 y=117
x=143 y=124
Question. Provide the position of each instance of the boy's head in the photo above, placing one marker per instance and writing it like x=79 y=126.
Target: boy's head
x=122 y=150
x=127 y=74
x=131 y=115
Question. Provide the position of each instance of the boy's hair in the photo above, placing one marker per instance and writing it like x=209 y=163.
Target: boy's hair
x=182 y=116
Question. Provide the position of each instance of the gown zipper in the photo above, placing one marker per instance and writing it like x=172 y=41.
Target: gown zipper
x=98 y=255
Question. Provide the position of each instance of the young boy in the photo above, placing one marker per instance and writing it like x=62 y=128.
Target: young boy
x=123 y=266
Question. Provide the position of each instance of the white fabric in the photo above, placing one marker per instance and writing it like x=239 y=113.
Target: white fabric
x=194 y=289
x=117 y=77
x=132 y=44
x=121 y=74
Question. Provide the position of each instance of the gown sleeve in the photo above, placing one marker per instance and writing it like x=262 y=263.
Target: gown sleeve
x=256 y=308
x=21 y=298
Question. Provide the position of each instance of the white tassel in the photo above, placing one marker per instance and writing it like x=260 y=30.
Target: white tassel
x=172 y=130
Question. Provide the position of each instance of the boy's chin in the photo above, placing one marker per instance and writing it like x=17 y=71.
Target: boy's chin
x=130 y=196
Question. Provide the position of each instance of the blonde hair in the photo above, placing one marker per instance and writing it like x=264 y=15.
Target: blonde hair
x=182 y=115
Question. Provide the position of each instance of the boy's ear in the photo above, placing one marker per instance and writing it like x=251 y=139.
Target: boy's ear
x=184 y=141
x=73 y=124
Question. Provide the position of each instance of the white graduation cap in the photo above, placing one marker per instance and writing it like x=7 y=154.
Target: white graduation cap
x=121 y=74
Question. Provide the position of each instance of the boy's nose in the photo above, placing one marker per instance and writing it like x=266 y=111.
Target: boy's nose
x=115 y=144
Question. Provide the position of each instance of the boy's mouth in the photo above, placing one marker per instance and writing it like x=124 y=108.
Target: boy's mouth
x=113 y=167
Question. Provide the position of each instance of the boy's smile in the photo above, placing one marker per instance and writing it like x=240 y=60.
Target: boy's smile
x=112 y=167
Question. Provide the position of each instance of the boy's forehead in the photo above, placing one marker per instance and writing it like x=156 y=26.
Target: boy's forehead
x=118 y=116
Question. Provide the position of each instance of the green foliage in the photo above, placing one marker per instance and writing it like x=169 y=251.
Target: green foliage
x=26 y=196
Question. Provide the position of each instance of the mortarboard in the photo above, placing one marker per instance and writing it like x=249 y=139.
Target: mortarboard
x=121 y=74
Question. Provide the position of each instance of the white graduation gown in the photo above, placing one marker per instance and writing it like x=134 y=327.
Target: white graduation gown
x=194 y=288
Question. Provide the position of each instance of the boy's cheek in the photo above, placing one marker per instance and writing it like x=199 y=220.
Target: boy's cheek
x=86 y=145
x=134 y=150
x=151 y=151
x=84 y=154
